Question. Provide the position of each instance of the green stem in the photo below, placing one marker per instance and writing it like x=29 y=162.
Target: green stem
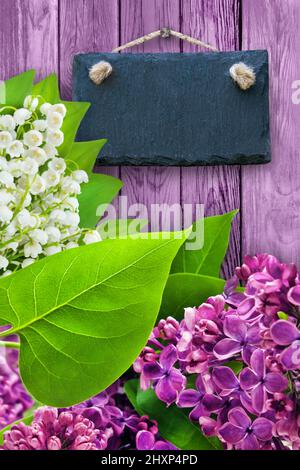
x=10 y=344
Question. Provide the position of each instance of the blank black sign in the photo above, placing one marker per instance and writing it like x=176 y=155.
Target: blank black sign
x=175 y=109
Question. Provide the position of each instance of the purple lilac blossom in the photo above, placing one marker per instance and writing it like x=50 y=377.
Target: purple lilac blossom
x=244 y=359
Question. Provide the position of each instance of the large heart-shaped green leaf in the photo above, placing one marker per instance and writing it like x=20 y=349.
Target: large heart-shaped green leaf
x=48 y=89
x=17 y=88
x=84 y=315
x=85 y=154
x=173 y=422
x=187 y=290
x=95 y=196
x=209 y=258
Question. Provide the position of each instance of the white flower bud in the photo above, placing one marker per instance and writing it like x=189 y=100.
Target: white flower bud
x=51 y=178
x=80 y=176
x=21 y=116
x=72 y=202
x=57 y=164
x=30 y=166
x=15 y=149
x=15 y=167
x=27 y=262
x=50 y=150
x=33 y=138
x=5 y=197
x=31 y=102
x=69 y=186
x=38 y=154
x=72 y=219
x=3 y=262
x=58 y=216
x=3 y=163
x=38 y=186
x=12 y=246
x=26 y=220
x=71 y=245
x=92 y=237
x=5 y=139
x=7 y=122
x=55 y=137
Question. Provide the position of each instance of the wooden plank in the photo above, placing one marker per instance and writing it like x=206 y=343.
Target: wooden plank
x=218 y=188
x=28 y=36
x=271 y=195
x=86 y=26
x=152 y=184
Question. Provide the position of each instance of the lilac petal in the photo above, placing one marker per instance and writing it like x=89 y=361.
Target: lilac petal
x=164 y=445
x=275 y=382
x=190 y=317
x=246 y=308
x=177 y=379
x=231 y=434
x=227 y=348
x=212 y=402
x=239 y=417
x=225 y=378
x=208 y=426
x=262 y=429
x=294 y=295
x=247 y=353
x=253 y=335
x=235 y=328
x=188 y=398
x=284 y=332
x=248 y=379
x=290 y=357
x=145 y=440
x=197 y=412
x=259 y=397
x=152 y=370
x=257 y=362
x=165 y=391
x=168 y=357
x=250 y=443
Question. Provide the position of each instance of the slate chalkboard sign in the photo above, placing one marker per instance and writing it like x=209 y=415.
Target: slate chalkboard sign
x=175 y=109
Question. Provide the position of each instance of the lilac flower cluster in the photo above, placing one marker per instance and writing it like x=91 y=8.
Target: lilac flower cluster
x=14 y=400
x=242 y=349
x=107 y=421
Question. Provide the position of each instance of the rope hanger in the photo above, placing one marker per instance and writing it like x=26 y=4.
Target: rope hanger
x=242 y=74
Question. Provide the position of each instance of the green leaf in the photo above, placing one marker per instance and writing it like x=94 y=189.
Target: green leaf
x=27 y=420
x=209 y=258
x=187 y=290
x=18 y=87
x=95 y=196
x=85 y=154
x=84 y=315
x=121 y=228
x=72 y=120
x=173 y=423
x=236 y=366
x=48 y=89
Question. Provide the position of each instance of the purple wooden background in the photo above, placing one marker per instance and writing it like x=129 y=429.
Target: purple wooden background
x=44 y=34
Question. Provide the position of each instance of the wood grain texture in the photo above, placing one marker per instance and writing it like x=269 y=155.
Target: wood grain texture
x=218 y=188
x=28 y=37
x=271 y=195
x=152 y=184
x=86 y=26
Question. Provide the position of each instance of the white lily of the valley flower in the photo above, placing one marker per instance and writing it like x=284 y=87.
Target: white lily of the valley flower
x=31 y=103
x=71 y=245
x=33 y=138
x=30 y=166
x=50 y=150
x=72 y=219
x=5 y=139
x=59 y=108
x=71 y=203
x=45 y=108
x=15 y=167
x=51 y=178
x=92 y=236
x=53 y=233
x=5 y=214
x=6 y=179
x=40 y=125
x=57 y=164
x=55 y=137
x=38 y=186
x=54 y=120
x=25 y=219
x=52 y=250
x=21 y=116
x=12 y=246
x=38 y=154
x=80 y=176
x=7 y=122
x=39 y=236
x=3 y=163
x=3 y=262
x=27 y=262
x=5 y=197
x=15 y=149
x=58 y=216
x=68 y=185
x=32 y=249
